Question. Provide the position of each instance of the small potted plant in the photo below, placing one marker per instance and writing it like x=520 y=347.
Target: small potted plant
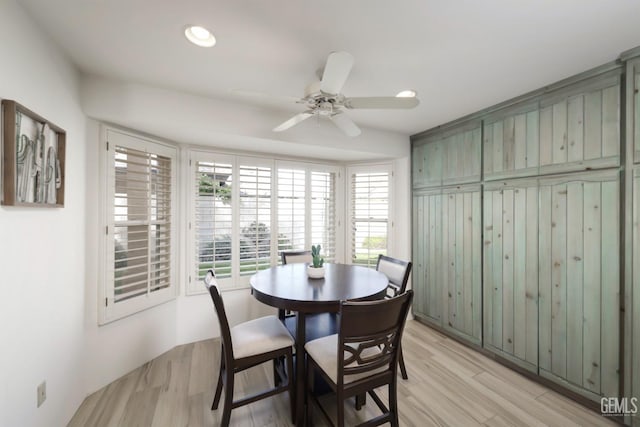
x=316 y=269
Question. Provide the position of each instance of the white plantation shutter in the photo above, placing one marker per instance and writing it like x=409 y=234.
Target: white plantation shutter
x=369 y=195
x=323 y=213
x=245 y=210
x=213 y=222
x=255 y=219
x=291 y=209
x=140 y=236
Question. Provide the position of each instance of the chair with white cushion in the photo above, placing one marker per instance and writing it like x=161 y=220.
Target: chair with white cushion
x=247 y=345
x=362 y=356
x=295 y=257
x=318 y=324
x=397 y=271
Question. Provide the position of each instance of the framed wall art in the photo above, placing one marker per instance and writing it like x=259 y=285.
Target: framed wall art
x=33 y=158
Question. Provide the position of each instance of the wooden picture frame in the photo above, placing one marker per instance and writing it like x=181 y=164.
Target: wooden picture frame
x=33 y=158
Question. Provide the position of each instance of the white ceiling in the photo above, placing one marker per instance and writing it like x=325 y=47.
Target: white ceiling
x=460 y=55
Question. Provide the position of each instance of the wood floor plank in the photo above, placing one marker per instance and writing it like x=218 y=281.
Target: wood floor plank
x=566 y=406
x=449 y=385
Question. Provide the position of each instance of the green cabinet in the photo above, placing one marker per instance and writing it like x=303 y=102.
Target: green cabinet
x=448 y=157
x=580 y=126
x=579 y=281
x=510 y=285
x=517 y=231
x=447 y=259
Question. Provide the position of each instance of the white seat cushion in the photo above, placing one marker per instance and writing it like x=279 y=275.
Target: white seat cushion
x=259 y=336
x=325 y=352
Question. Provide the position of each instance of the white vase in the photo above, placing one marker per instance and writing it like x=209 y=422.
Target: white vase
x=315 y=273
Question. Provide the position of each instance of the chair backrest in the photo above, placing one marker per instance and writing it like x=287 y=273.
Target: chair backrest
x=225 y=332
x=369 y=335
x=296 y=257
x=397 y=271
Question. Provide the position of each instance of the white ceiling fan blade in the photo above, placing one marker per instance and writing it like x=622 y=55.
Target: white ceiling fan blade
x=293 y=121
x=345 y=124
x=264 y=96
x=336 y=71
x=381 y=102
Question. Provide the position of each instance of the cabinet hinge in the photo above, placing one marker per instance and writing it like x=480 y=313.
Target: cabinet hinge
x=106 y=302
x=189 y=162
x=189 y=278
x=107 y=145
x=106 y=230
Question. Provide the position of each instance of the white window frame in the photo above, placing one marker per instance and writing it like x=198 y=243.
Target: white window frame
x=339 y=201
x=368 y=168
x=108 y=309
x=236 y=281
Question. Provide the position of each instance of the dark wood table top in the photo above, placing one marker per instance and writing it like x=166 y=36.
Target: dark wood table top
x=288 y=287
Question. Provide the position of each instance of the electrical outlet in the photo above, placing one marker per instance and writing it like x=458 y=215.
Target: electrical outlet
x=42 y=393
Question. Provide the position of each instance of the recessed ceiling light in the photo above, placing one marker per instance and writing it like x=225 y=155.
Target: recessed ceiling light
x=407 y=94
x=199 y=36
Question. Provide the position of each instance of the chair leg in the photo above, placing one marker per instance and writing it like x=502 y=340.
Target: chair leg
x=216 y=398
x=309 y=395
x=403 y=369
x=276 y=377
x=228 y=398
x=340 y=408
x=291 y=386
x=361 y=400
x=393 y=403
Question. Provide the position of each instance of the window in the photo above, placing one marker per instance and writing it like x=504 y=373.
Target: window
x=369 y=213
x=255 y=219
x=307 y=208
x=213 y=222
x=140 y=267
x=246 y=210
x=292 y=210
x=323 y=212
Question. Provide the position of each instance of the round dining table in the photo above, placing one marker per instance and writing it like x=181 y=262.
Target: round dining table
x=288 y=287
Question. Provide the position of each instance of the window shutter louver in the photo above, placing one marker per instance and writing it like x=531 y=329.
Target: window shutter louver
x=255 y=219
x=141 y=223
x=369 y=217
x=323 y=213
x=213 y=226
x=291 y=209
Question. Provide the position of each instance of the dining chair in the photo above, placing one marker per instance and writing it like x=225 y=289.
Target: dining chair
x=361 y=357
x=397 y=271
x=247 y=345
x=293 y=257
x=318 y=324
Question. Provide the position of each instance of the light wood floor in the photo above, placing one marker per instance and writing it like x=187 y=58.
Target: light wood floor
x=449 y=385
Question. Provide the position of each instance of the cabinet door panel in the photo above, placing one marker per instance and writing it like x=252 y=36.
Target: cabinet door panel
x=634 y=69
x=579 y=281
x=460 y=248
x=511 y=270
x=580 y=126
x=635 y=292
x=511 y=143
x=462 y=153
x=448 y=157
x=426 y=256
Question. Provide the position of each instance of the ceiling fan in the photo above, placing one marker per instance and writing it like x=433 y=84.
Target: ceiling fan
x=324 y=99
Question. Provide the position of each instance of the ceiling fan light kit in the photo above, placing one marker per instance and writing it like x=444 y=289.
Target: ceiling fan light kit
x=324 y=98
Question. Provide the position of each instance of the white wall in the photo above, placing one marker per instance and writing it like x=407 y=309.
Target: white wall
x=42 y=257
